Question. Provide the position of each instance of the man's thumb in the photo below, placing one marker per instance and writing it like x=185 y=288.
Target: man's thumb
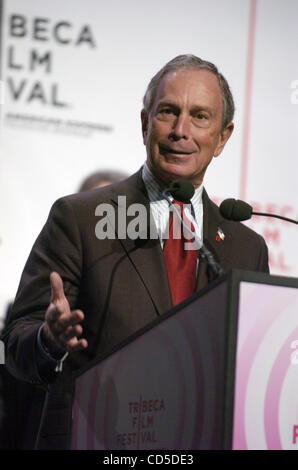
x=57 y=287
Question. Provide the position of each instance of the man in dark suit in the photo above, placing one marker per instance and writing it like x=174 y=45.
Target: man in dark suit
x=82 y=294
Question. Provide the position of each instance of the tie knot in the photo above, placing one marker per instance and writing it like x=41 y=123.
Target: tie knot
x=178 y=203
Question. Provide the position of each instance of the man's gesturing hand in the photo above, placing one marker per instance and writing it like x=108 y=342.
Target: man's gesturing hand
x=61 y=331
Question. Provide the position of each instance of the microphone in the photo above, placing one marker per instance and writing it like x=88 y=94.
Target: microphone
x=237 y=210
x=183 y=190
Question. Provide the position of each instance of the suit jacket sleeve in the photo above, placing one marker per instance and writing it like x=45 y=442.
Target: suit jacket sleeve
x=57 y=248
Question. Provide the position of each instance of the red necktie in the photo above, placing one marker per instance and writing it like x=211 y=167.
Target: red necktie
x=181 y=264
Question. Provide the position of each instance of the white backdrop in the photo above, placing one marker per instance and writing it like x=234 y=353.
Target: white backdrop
x=79 y=110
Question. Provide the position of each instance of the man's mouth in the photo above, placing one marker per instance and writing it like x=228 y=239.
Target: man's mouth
x=172 y=151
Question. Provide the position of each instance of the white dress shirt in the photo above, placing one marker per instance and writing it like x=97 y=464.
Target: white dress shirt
x=160 y=207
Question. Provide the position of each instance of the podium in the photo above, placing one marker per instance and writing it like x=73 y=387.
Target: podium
x=219 y=371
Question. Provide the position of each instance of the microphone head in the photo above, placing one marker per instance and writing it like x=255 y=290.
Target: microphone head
x=236 y=210
x=182 y=190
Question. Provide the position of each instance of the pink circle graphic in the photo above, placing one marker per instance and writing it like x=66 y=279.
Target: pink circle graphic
x=273 y=393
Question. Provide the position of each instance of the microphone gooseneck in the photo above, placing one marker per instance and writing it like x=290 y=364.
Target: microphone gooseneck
x=183 y=190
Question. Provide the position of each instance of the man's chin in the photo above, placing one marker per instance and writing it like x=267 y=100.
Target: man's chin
x=168 y=173
x=176 y=174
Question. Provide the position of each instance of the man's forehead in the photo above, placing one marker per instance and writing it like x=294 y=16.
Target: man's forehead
x=199 y=81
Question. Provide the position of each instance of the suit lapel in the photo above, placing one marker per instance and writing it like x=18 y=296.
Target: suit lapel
x=145 y=254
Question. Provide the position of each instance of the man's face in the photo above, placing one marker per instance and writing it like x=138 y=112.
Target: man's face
x=183 y=130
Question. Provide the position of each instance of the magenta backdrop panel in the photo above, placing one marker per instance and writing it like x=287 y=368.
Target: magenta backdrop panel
x=266 y=386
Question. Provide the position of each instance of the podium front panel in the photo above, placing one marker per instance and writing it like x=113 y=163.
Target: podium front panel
x=157 y=392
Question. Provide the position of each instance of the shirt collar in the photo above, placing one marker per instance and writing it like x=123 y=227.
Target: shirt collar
x=155 y=188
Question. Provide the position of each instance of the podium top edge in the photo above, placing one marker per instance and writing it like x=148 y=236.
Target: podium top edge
x=262 y=278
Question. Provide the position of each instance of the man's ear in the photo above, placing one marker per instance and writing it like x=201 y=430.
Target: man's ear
x=144 y=119
x=224 y=137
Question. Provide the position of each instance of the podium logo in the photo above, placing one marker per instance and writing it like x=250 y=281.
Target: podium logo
x=2 y=353
x=294 y=355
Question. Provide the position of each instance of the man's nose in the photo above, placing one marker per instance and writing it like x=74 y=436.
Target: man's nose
x=181 y=127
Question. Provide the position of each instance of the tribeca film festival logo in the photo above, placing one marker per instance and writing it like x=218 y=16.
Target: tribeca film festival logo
x=138 y=224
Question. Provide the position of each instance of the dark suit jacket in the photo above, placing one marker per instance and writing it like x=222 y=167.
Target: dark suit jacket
x=121 y=285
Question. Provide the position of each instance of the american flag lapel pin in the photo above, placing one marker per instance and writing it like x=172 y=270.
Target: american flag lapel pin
x=220 y=235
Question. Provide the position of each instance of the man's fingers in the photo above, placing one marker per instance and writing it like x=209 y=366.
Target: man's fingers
x=71 y=332
x=59 y=322
x=70 y=319
x=70 y=341
x=75 y=344
x=57 y=287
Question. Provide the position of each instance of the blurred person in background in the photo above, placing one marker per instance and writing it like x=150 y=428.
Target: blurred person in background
x=99 y=179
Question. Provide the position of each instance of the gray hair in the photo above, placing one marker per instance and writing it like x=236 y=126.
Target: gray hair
x=189 y=61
